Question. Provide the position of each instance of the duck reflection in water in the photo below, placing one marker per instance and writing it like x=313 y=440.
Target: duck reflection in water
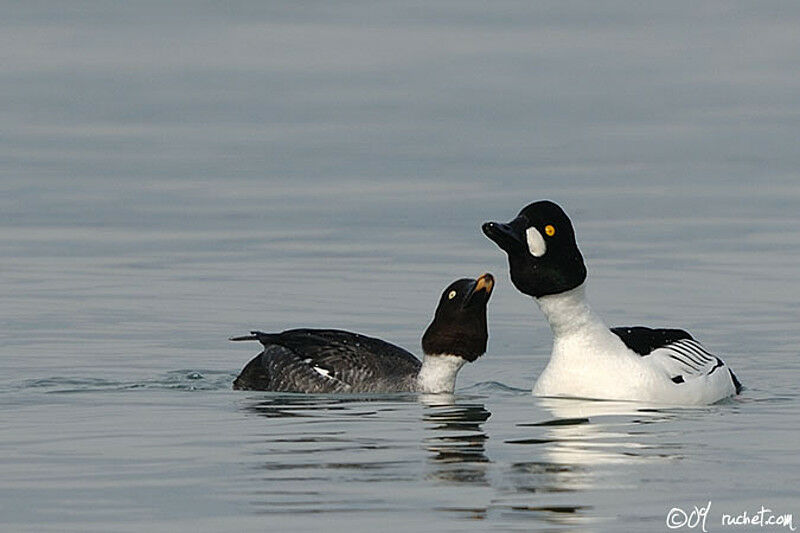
x=456 y=439
x=290 y=405
x=570 y=448
x=574 y=447
x=591 y=432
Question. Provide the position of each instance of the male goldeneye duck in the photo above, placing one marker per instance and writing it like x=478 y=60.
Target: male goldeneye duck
x=333 y=361
x=589 y=360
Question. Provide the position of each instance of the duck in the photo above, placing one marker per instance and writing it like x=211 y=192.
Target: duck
x=307 y=360
x=589 y=359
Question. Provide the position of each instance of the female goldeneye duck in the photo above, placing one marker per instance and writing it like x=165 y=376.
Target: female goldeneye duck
x=333 y=361
x=589 y=360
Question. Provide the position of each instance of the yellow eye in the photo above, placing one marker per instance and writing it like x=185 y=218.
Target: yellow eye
x=451 y=295
x=550 y=230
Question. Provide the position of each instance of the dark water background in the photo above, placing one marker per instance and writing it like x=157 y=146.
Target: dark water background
x=172 y=174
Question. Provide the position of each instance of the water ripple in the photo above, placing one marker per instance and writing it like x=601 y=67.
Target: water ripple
x=184 y=380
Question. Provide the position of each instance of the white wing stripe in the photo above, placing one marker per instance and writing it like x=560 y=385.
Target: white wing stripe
x=684 y=363
x=697 y=348
x=692 y=356
x=324 y=372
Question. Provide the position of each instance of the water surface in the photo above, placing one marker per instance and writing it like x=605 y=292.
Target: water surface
x=175 y=174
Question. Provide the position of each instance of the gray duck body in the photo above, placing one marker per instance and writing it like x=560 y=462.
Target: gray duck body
x=328 y=361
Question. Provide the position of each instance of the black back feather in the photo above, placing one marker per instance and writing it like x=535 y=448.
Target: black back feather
x=644 y=340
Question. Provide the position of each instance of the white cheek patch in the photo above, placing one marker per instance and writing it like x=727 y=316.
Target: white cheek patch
x=536 y=243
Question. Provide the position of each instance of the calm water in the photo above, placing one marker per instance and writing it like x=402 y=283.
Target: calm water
x=172 y=174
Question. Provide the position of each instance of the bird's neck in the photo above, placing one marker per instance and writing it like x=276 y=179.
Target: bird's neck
x=569 y=313
x=438 y=373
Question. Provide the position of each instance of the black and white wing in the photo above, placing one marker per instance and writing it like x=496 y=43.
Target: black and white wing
x=676 y=352
x=327 y=361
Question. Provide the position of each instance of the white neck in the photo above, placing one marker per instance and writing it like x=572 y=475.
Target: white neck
x=584 y=349
x=438 y=373
x=569 y=313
